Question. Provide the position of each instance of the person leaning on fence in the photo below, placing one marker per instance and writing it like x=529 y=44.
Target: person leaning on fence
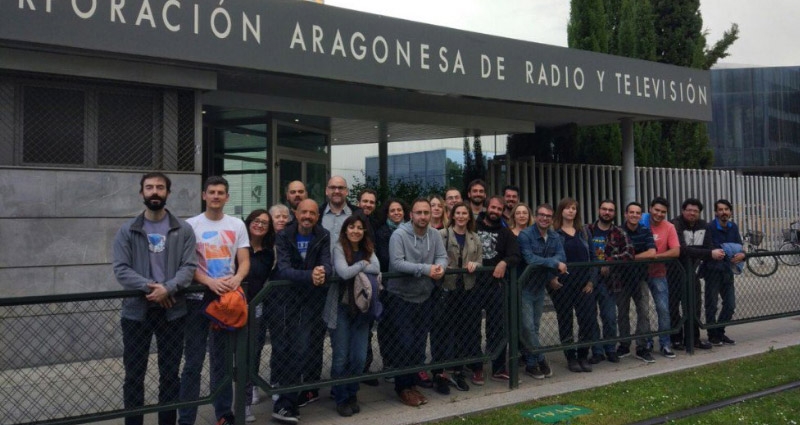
x=500 y=250
x=633 y=285
x=394 y=214
x=353 y=253
x=573 y=294
x=611 y=244
x=719 y=274
x=455 y=329
x=695 y=243
x=262 y=260
x=223 y=262
x=304 y=258
x=154 y=253
x=418 y=251
x=367 y=202
x=542 y=249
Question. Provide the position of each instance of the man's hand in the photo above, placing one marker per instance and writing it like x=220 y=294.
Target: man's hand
x=738 y=258
x=499 y=270
x=318 y=276
x=437 y=271
x=471 y=266
x=218 y=286
x=562 y=268
x=159 y=294
x=718 y=254
x=555 y=284
x=588 y=288
x=231 y=283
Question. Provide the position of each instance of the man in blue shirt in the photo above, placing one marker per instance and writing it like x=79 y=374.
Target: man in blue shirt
x=718 y=273
x=540 y=247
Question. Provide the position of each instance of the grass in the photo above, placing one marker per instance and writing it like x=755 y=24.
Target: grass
x=632 y=401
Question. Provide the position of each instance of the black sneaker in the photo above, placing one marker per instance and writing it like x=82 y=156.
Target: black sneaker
x=585 y=366
x=667 y=352
x=573 y=366
x=727 y=341
x=545 y=368
x=703 y=345
x=645 y=356
x=534 y=372
x=354 y=406
x=285 y=415
x=597 y=358
x=306 y=397
x=715 y=341
x=613 y=357
x=678 y=346
x=623 y=351
x=458 y=381
x=441 y=384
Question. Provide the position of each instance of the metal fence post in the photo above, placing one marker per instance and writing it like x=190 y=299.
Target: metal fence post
x=241 y=370
x=689 y=309
x=513 y=329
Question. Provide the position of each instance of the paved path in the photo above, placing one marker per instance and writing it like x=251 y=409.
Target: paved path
x=381 y=406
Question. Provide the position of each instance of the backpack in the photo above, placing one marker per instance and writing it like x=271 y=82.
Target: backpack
x=228 y=311
x=366 y=288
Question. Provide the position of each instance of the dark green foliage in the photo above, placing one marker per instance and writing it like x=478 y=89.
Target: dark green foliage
x=406 y=190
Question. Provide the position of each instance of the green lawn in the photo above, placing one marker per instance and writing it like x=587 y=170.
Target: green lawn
x=633 y=401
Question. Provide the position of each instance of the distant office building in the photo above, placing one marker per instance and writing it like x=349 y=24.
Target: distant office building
x=756 y=120
x=440 y=167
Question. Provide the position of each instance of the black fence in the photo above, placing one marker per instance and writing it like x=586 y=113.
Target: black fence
x=63 y=362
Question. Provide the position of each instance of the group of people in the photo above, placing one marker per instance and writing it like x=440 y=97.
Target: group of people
x=307 y=245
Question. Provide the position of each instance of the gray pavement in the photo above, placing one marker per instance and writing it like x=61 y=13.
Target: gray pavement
x=381 y=405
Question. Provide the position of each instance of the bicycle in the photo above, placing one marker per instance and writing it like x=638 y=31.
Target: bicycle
x=762 y=266
x=791 y=242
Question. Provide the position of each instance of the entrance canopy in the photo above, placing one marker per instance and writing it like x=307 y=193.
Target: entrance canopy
x=362 y=70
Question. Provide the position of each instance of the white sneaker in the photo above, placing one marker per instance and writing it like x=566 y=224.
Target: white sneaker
x=248 y=415
x=256 y=399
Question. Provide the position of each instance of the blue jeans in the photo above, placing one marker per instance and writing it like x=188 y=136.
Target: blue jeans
x=194 y=352
x=349 y=344
x=607 y=305
x=218 y=342
x=532 y=305
x=719 y=284
x=136 y=337
x=659 y=289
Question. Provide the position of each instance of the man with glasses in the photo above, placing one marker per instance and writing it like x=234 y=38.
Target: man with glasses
x=452 y=196
x=695 y=247
x=611 y=244
x=540 y=247
x=336 y=210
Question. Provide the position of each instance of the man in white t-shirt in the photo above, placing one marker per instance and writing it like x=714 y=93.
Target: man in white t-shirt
x=222 y=243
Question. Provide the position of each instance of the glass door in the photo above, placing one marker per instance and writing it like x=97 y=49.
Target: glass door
x=240 y=155
x=302 y=154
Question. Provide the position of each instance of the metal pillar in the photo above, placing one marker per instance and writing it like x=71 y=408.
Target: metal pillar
x=383 y=160
x=628 y=163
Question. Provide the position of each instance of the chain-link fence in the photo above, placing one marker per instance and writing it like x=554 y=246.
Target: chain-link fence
x=65 y=357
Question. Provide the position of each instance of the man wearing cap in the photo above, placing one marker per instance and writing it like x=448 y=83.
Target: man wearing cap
x=153 y=254
x=222 y=244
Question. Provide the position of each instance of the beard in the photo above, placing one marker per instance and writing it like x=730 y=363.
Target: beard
x=493 y=218
x=152 y=205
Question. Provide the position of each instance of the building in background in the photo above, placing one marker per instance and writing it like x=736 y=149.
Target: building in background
x=756 y=120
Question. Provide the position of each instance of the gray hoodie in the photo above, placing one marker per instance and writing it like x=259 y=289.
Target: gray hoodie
x=414 y=255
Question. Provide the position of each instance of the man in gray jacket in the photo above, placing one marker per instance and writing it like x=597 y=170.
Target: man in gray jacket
x=154 y=253
x=417 y=250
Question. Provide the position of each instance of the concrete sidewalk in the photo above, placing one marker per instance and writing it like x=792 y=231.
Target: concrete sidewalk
x=381 y=405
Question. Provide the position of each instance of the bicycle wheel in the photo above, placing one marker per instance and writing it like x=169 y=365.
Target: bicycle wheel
x=762 y=266
x=790 y=259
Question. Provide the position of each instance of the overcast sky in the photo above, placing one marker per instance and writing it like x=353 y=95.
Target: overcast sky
x=768 y=30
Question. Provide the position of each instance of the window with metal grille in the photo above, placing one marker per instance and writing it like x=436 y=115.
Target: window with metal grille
x=61 y=122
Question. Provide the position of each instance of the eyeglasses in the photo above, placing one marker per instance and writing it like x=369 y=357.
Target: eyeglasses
x=261 y=223
x=547 y=216
x=339 y=188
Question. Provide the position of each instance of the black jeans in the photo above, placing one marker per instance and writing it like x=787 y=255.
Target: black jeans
x=136 y=338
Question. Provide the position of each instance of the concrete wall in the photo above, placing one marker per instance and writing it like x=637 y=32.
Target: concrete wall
x=57 y=226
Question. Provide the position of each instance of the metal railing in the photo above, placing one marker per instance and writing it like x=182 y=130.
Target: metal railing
x=62 y=358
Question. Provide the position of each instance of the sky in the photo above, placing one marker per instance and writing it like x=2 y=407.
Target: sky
x=768 y=30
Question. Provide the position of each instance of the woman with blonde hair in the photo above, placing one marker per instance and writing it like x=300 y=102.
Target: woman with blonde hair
x=521 y=217
x=438 y=212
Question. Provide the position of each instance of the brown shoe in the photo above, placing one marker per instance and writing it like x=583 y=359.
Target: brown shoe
x=420 y=396
x=409 y=397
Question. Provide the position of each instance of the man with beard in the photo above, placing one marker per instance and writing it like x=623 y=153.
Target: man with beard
x=153 y=254
x=223 y=262
x=295 y=192
x=417 y=250
x=695 y=247
x=336 y=210
x=718 y=274
x=500 y=250
x=611 y=244
x=476 y=195
x=510 y=198
x=304 y=258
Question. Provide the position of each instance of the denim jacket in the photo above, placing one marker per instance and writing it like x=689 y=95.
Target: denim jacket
x=543 y=253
